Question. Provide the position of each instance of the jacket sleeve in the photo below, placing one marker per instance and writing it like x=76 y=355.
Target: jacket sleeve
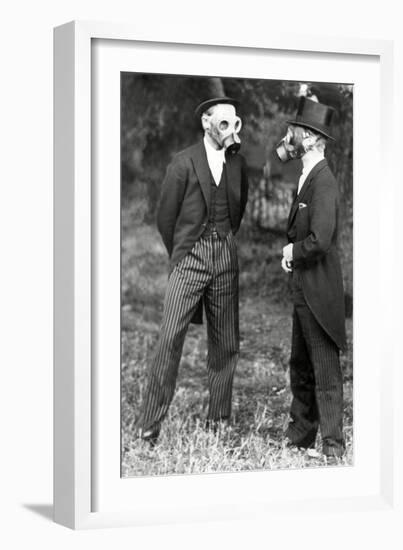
x=322 y=223
x=172 y=193
x=244 y=187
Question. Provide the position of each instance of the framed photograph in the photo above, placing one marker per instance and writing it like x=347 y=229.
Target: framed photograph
x=147 y=403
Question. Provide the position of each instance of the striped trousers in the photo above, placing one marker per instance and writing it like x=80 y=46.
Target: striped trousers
x=209 y=270
x=316 y=385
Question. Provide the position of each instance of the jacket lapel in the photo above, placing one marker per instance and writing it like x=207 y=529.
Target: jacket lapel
x=233 y=174
x=299 y=197
x=199 y=158
x=293 y=209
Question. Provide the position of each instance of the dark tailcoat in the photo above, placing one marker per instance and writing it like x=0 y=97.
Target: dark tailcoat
x=313 y=228
x=184 y=205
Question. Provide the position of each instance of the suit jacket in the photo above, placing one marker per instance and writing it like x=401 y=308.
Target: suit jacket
x=183 y=210
x=313 y=228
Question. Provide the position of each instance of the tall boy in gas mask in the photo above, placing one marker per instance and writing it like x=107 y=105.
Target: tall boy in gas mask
x=312 y=259
x=202 y=202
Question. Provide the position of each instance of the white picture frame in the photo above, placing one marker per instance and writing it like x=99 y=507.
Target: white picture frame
x=76 y=470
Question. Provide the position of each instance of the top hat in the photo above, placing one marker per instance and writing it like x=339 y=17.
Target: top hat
x=313 y=115
x=203 y=107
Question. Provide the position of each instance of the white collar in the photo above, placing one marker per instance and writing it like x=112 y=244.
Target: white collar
x=216 y=154
x=311 y=162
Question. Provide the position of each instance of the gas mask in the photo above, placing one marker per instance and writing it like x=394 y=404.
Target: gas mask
x=223 y=126
x=295 y=144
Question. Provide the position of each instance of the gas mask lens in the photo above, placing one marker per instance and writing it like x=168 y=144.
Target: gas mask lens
x=295 y=144
x=281 y=151
x=285 y=149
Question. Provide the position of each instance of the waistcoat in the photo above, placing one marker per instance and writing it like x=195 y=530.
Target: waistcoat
x=219 y=212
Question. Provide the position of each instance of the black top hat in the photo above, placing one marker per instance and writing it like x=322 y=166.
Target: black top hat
x=313 y=115
x=203 y=107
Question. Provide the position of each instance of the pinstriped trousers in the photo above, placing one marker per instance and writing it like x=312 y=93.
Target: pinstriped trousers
x=316 y=385
x=209 y=270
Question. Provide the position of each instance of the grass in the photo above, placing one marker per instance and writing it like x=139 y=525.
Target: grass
x=261 y=395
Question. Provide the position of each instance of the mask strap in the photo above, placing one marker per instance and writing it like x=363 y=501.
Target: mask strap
x=310 y=146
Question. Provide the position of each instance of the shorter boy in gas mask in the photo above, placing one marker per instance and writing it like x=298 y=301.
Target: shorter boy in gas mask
x=311 y=258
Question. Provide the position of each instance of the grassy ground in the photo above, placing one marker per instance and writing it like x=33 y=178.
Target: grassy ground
x=261 y=396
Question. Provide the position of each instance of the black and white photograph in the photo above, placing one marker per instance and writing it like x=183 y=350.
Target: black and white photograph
x=236 y=274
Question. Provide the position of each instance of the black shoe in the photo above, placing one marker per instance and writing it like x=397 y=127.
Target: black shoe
x=306 y=441
x=150 y=434
x=215 y=425
x=302 y=445
x=333 y=458
x=290 y=444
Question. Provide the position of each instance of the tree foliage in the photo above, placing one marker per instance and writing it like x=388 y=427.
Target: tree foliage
x=157 y=120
